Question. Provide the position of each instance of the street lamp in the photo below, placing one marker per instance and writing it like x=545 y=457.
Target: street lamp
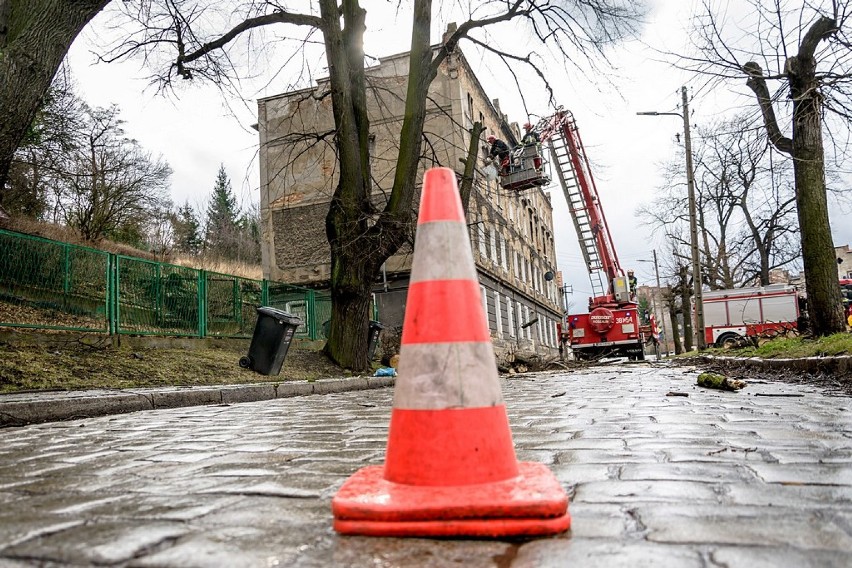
x=693 y=222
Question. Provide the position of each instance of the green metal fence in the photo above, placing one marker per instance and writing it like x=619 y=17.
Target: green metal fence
x=154 y=298
x=47 y=284
x=295 y=301
x=51 y=285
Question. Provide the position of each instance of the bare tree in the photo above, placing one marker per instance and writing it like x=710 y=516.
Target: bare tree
x=31 y=183
x=34 y=37
x=160 y=230
x=805 y=50
x=361 y=237
x=752 y=201
x=109 y=180
x=744 y=202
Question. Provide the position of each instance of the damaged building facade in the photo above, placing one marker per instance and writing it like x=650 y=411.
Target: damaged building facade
x=511 y=233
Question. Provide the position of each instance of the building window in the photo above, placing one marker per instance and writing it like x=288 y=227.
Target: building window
x=470 y=107
x=494 y=244
x=510 y=314
x=498 y=313
x=484 y=294
x=527 y=320
x=520 y=313
x=504 y=260
x=481 y=238
x=515 y=256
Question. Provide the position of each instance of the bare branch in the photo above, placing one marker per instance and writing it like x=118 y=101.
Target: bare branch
x=757 y=83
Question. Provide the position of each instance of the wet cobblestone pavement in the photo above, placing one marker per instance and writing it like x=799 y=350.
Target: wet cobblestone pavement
x=757 y=478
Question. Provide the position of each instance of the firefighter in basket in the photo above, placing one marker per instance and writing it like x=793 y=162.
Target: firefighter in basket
x=523 y=159
x=499 y=152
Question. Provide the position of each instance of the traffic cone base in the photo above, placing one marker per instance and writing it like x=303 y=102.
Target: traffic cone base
x=533 y=503
x=485 y=528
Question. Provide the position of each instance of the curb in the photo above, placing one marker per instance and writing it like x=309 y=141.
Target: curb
x=35 y=408
x=838 y=366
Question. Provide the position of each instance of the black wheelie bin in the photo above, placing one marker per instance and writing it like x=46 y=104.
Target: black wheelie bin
x=273 y=333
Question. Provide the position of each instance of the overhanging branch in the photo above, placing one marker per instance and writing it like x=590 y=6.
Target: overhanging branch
x=280 y=17
x=757 y=83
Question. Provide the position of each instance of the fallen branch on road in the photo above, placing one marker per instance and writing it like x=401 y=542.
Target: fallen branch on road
x=719 y=382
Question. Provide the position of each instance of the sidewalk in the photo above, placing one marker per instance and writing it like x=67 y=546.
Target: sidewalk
x=18 y=409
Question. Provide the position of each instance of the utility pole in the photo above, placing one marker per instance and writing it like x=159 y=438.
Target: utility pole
x=693 y=227
x=693 y=220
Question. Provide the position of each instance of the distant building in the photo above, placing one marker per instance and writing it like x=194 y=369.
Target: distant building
x=511 y=233
x=844 y=261
x=779 y=276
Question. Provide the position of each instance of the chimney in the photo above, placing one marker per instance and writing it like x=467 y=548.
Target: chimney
x=451 y=29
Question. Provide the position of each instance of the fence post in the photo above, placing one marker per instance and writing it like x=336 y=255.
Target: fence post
x=158 y=293
x=66 y=277
x=237 y=313
x=110 y=295
x=116 y=297
x=264 y=292
x=312 y=315
x=202 y=303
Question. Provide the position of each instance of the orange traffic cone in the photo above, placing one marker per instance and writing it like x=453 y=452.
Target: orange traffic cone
x=450 y=468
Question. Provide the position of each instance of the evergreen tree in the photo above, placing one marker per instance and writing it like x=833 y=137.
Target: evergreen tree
x=187 y=230
x=222 y=229
x=249 y=226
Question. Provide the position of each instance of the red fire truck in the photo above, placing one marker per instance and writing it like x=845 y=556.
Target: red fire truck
x=731 y=315
x=611 y=327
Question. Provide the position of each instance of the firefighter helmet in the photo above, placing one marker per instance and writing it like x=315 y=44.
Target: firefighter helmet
x=528 y=126
x=491 y=139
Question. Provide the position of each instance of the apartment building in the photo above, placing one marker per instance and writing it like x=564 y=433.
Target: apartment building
x=511 y=233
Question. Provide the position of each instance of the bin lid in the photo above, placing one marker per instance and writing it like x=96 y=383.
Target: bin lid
x=279 y=314
x=378 y=324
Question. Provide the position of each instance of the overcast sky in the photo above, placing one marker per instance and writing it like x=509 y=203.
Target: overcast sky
x=199 y=129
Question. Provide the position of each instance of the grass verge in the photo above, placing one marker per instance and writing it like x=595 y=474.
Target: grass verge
x=797 y=347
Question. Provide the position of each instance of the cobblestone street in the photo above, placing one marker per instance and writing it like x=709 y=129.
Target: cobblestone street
x=757 y=478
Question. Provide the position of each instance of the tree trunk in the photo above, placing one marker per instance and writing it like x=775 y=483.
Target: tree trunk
x=470 y=165
x=821 y=282
x=34 y=37
x=686 y=306
x=674 y=330
x=358 y=248
x=824 y=301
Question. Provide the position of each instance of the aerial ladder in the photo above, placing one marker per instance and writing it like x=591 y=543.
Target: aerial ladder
x=612 y=326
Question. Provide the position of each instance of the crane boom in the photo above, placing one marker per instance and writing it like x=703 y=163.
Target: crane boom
x=612 y=326
x=571 y=165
